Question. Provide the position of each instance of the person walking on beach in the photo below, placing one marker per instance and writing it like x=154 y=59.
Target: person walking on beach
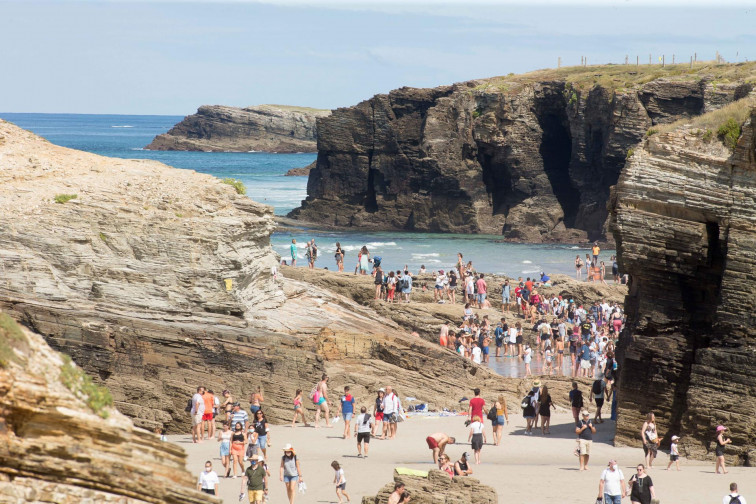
x=262 y=430
x=733 y=497
x=290 y=472
x=340 y=481
x=378 y=411
x=529 y=412
x=339 y=256
x=320 y=399
x=208 y=480
x=578 y=267
x=364 y=260
x=224 y=437
x=674 y=453
x=502 y=417
x=641 y=488
x=390 y=412
x=437 y=442
x=476 y=437
x=482 y=289
x=363 y=427
x=506 y=296
x=585 y=431
x=293 y=251
x=406 y=286
x=228 y=405
x=544 y=409
x=721 y=442
x=597 y=394
x=298 y=409
x=256 y=478
x=255 y=400
x=238 y=440
x=650 y=439
x=595 y=249
x=346 y=409
x=197 y=412
x=612 y=484
x=576 y=401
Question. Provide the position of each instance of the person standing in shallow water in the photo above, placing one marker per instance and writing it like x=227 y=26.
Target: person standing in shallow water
x=293 y=251
x=339 y=256
x=578 y=267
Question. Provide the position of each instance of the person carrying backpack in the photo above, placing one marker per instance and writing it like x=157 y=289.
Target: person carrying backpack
x=733 y=497
x=597 y=394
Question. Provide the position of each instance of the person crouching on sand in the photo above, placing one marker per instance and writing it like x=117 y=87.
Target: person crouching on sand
x=437 y=442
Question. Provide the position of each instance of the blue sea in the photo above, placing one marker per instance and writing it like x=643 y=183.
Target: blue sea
x=124 y=136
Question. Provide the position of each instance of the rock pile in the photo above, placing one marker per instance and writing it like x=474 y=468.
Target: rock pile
x=438 y=488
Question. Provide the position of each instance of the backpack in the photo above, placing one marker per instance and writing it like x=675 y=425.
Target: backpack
x=596 y=387
x=491 y=414
x=188 y=406
x=401 y=284
x=525 y=402
x=735 y=499
x=578 y=399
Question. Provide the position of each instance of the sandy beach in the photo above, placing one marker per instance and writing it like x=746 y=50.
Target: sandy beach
x=523 y=469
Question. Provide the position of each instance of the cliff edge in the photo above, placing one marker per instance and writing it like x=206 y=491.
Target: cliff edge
x=530 y=157
x=61 y=441
x=683 y=215
x=267 y=128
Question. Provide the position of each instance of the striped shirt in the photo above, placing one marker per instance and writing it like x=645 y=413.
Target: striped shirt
x=239 y=416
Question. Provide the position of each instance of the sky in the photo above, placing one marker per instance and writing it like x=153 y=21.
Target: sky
x=170 y=57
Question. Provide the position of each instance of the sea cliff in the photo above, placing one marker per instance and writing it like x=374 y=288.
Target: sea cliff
x=683 y=215
x=268 y=128
x=531 y=157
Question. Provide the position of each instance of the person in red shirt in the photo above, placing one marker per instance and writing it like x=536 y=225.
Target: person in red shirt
x=529 y=285
x=482 y=291
x=443 y=335
x=477 y=404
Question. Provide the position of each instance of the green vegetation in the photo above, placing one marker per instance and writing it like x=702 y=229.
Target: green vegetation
x=630 y=153
x=62 y=198
x=179 y=214
x=708 y=136
x=651 y=131
x=77 y=381
x=573 y=98
x=236 y=184
x=11 y=337
x=729 y=132
x=103 y=237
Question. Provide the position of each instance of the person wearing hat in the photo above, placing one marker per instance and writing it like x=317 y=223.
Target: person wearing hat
x=720 y=449
x=585 y=431
x=461 y=467
x=256 y=478
x=674 y=453
x=612 y=484
x=290 y=473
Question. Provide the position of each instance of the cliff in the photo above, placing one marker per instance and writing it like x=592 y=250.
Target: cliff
x=683 y=215
x=268 y=128
x=531 y=157
x=61 y=442
x=438 y=488
x=129 y=278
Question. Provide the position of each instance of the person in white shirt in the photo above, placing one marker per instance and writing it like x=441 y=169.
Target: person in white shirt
x=390 y=411
x=208 y=480
x=440 y=290
x=476 y=353
x=733 y=497
x=477 y=437
x=198 y=409
x=363 y=426
x=612 y=484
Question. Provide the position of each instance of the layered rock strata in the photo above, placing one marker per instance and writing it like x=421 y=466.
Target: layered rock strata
x=531 y=157
x=156 y=280
x=438 y=488
x=268 y=128
x=56 y=448
x=684 y=219
x=301 y=172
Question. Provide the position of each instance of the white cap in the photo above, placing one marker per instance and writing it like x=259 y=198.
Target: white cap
x=260 y=458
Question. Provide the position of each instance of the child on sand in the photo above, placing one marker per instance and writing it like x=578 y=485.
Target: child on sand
x=674 y=454
x=298 y=409
x=340 y=481
x=527 y=357
x=548 y=360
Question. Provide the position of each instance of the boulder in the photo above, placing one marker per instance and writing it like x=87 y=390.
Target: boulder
x=301 y=172
x=438 y=488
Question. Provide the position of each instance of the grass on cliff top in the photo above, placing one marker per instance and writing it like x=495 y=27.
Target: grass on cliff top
x=11 y=337
x=725 y=122
x=77 y=381
x=63 y=198
x=236 y=184
x=618 y=77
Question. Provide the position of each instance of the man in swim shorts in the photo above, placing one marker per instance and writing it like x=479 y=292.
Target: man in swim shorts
x=437 y=442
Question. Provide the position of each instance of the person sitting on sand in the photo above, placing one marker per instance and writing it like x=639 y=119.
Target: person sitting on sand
x=437 y=442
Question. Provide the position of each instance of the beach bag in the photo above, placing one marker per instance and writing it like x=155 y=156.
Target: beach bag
x=315 y=394
x=188 y=408
x=491 y=414
x=525 y=402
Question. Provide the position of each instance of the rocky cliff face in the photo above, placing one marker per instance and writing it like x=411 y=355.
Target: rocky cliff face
x=130 y=279
x=55 y=448
x=269 y=128
x=684 y=219
x=531 y=157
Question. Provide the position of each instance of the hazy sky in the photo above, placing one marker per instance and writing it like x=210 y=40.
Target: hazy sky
x=169 y=57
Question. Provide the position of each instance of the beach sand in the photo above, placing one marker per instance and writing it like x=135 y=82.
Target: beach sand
x=523 y=469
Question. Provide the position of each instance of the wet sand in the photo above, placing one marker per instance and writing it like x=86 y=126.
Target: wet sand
x=523 y=469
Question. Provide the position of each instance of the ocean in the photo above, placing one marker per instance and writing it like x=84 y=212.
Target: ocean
x=124 y=136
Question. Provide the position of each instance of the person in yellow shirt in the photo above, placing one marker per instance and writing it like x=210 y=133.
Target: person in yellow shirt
x=596 y=251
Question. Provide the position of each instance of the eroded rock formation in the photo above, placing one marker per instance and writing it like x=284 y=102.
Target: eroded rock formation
x=684 y=219
x=129 y=279
x=531 y=157
x=268 y=128
x=301 y=172
x=56 y=448
x=438 y=488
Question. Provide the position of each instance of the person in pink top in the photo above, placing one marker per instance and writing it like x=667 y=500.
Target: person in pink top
x=482 y=289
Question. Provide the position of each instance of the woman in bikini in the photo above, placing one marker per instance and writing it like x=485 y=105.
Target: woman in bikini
x=228 y=405
x=299 y=409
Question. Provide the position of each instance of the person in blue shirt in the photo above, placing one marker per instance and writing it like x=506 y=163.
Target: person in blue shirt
x=499 y=336
x=585 y=358
x=293 y=251
x=347 y=409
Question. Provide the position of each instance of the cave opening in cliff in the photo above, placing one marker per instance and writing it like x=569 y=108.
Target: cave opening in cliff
x=556 y=153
